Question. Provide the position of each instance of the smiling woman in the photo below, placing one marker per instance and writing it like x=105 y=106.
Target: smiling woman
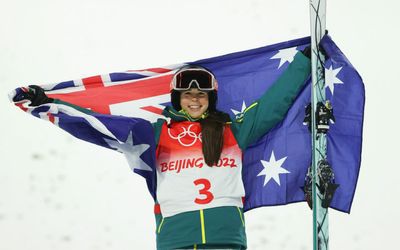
x=199 y=153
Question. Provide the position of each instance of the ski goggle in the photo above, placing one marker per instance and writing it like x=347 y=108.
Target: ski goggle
x=194 y=78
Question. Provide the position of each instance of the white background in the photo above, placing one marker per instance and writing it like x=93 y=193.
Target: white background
x=60 y=193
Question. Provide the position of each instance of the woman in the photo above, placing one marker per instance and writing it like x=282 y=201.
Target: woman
x=199 y=192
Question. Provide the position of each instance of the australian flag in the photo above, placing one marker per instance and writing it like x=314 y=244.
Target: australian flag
x=120 y=107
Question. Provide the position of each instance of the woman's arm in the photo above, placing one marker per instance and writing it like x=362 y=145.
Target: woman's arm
x=110 y=131
x=272 y=107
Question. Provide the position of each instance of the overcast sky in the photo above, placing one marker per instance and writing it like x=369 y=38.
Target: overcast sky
x=60 y=193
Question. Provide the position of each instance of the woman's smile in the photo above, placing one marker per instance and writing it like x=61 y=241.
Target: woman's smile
x=194 y=102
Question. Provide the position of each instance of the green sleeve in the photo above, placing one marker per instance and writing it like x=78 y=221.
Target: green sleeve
x=157 y=126
x=84 y=110
x=272 y=107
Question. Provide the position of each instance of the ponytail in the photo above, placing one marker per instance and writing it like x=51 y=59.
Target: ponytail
x=212 y=130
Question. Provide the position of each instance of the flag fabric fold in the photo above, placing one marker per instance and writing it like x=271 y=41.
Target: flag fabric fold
x=121 y=107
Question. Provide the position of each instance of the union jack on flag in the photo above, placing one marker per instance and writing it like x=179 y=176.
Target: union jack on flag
x=124 y=105
x=137 y=93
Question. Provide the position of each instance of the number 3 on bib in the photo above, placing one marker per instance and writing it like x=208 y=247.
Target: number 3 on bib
x=204 y=191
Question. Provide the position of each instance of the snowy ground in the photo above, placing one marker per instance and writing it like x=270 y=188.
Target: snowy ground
x=60 y=193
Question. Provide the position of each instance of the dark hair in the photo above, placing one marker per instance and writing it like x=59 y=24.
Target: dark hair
x=212 y=130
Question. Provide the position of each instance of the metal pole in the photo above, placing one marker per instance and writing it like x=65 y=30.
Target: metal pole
x=320 y=214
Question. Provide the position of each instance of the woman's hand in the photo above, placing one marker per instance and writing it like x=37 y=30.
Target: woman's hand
x=37 y=96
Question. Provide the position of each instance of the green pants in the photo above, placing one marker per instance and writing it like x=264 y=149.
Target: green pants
x=220 y=226
x=215 y=247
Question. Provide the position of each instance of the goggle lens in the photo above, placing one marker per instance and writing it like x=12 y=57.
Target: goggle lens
x=200 y=79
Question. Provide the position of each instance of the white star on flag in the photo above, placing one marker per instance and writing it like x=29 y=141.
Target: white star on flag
x=131 y=152
x=239 y=113
x=331 y=78
x=272 y=169
x=285 y=55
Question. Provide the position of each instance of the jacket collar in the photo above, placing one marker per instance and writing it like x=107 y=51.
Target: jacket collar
x=181 y=115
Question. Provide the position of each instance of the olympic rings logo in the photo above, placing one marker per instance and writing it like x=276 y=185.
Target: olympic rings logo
x=186 y=132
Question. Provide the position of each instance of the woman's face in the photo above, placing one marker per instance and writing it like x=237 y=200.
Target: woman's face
x=194 y=102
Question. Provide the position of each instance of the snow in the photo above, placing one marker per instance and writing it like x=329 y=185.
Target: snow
x=60 y=193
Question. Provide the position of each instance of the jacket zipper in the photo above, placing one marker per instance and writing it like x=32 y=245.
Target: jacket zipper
x=159 y=227
x=241 y=215
x=203 y=230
